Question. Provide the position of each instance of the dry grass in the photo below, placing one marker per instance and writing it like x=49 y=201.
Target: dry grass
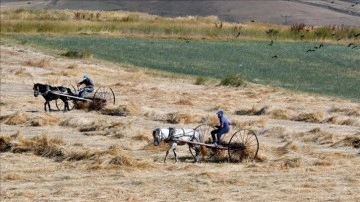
x=55 y=148
x=311 y=117
x=16 y=119
x=45 y=119
x=22 y=72
x=112 y=158
x=42 y=63
x=183 y=118
x=131 y=109
x=351 y=141
x=252 y=111
x=249 y=123
x=282 y=114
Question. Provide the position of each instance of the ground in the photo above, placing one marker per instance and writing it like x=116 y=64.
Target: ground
x=308 y=143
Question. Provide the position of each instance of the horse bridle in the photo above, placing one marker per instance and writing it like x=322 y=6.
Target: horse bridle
x=156 y=137
x=36 y=90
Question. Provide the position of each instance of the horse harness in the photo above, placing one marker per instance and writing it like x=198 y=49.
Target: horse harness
x=174 y=137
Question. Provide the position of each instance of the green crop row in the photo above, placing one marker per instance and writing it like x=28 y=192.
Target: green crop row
x=328 y=69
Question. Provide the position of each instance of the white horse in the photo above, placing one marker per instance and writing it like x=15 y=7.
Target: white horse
x=176 y=136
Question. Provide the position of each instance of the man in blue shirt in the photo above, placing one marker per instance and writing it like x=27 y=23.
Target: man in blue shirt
x=223 y=128
x=89 y=86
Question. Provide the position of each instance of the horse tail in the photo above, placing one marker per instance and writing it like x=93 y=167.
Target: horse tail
x=203 y=150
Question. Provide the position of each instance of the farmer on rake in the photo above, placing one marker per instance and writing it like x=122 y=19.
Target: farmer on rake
x=223 y=128
x=89 y=86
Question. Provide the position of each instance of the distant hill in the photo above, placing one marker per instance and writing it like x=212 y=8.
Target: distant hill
x=315 y=12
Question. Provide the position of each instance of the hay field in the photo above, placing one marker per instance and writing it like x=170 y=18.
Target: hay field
x=309 y=145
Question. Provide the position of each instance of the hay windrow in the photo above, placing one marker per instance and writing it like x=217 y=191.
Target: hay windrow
x=183 y=118
x=122 y=110
x=45 y=119
x=316 y=117
x=281 y=114
x=17 y=118
x=253 y=111
x=55 y=148
x=350 y=141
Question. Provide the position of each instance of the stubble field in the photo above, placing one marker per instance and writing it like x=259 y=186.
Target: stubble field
x=308 y=144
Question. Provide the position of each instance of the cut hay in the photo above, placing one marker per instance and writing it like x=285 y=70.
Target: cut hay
x=316 y=117
x=54 y=148
x=45 y=120
x=143 y=135
x=288 y=148
x=350 y=141
x=122 y=110
x=22 y=72
x=104 y=128
x=75 y=122
x=45 y=62
x=253 y=111
x=316 y=136
x=292 y=162
x=247 y=124
x=184 y=102
x=17 y=118
x=5 y=144
x=180 y=118
x=281 y=114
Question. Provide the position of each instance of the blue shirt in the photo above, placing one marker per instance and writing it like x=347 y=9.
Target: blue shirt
x=224 y=123
x=88 y=82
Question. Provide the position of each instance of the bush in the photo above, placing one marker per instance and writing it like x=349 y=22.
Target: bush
x=233 y=80
x=77 y=54
x=200 y=80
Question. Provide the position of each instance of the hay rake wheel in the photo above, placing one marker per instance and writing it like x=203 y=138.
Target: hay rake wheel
x=60 y=104
x=205 y=129
x=243 y=144
x=102 y=97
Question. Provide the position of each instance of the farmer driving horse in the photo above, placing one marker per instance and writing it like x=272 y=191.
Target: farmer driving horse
x=224 y=127
x=89 y=86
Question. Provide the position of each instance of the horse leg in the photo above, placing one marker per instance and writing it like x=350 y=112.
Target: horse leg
x=197 y=152
x=49 y=106
x=167 y=153
x=66 y=105
x=45 y=105
x=173 y=147
x=176 y=159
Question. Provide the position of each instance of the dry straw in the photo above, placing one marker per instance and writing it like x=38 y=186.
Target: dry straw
x=16 y=119
x=44 y=120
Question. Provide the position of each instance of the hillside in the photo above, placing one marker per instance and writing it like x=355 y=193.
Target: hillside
x=317 y=12
x=308 y=144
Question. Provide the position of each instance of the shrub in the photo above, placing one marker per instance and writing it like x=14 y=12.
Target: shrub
x=200 y=80
x=77 y=54
x=233 y=80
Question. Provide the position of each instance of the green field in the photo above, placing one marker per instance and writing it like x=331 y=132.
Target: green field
x=332 y=70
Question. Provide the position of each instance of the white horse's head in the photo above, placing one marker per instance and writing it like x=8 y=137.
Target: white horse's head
x=159 y=134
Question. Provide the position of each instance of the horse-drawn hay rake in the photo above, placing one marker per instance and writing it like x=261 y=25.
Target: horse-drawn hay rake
x=241 y=145
x=98 y=99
